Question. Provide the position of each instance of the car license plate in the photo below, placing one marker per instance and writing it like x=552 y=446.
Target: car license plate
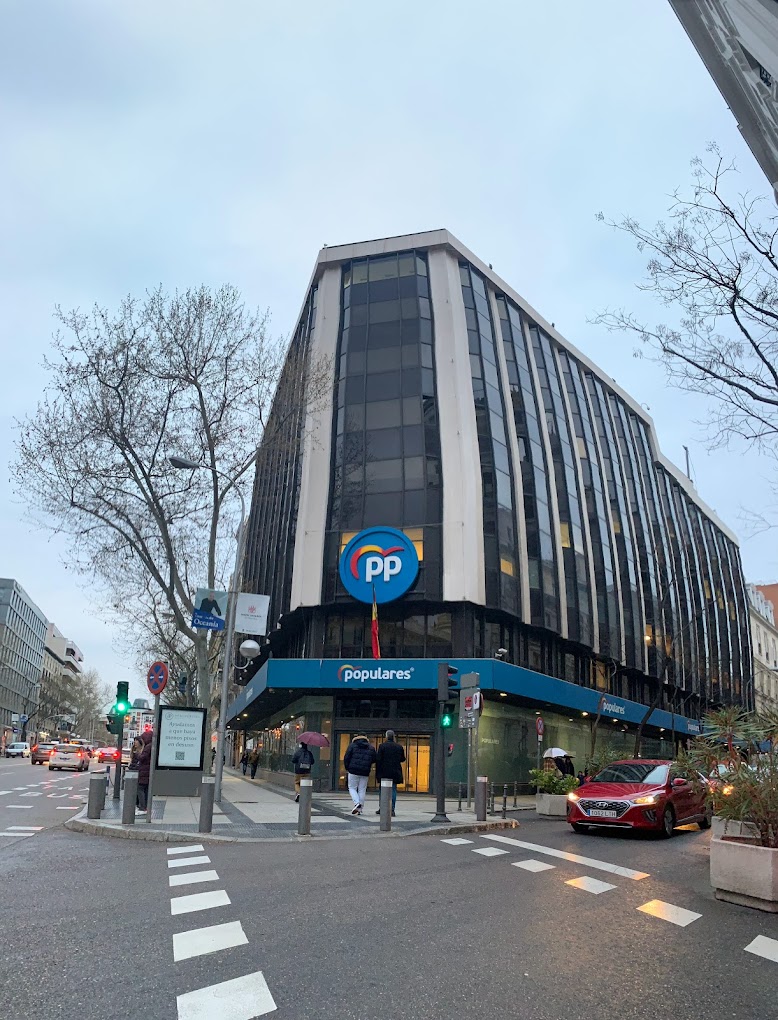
x=599 y=813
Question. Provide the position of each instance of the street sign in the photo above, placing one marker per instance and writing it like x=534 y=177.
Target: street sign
x=23 y=719
x=469 y=680
x=468 y=707
x=540 y=726
x=157 y=678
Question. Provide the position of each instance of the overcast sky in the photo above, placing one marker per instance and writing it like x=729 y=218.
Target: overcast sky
x=213 y=141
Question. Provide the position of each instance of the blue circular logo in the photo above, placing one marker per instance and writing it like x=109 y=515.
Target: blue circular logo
x=383 y=560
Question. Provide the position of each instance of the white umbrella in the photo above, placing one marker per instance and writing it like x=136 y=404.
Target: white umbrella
x=557 y=752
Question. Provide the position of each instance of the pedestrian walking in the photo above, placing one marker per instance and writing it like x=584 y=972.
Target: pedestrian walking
x=254 y=762
x=389 y=759
x=244 y=761
x=359 y=759
x=303 y=763
x=144 y=769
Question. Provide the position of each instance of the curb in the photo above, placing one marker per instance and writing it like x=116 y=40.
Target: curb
x=92 y=827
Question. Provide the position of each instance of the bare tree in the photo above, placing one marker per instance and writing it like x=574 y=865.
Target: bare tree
x=715 y=263
x=191 y=373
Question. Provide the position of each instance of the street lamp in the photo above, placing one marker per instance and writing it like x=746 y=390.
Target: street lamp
x=183 y=463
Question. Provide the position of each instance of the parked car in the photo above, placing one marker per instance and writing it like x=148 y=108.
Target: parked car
x=69 y=756
x=639 y=794
x=18 y=749
x=107 y=754
x=39 y=753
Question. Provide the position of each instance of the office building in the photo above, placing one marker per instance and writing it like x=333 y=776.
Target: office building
x=22 y=640
x=509 y=508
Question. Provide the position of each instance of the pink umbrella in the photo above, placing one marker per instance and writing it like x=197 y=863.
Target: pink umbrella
x=313 y=739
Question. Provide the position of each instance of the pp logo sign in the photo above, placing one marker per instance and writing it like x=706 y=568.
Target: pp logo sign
x=382 y=559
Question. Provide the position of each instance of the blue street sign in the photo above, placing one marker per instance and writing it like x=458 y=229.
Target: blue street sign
x=380 y=559
x=210 y=609
x=23 y=719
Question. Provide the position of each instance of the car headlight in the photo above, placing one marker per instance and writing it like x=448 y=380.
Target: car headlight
x=573 y=796
x=650 y=798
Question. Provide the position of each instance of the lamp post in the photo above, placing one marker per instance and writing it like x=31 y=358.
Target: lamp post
x=190 y=465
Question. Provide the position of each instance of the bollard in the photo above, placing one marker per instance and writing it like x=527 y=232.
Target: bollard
x=480 y=798
x=505 y=800
x=304 y=813
x=96 y=800
x=515 y=793
x=106 y=777
x=117 y=779
x=385 y=805
x=491 y=798
x=130 y=798
x=207 y=790
x=459 y=805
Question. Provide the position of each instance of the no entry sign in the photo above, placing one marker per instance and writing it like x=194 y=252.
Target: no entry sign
x=157 y=677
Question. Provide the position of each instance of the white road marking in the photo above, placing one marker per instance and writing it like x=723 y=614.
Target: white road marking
x=534 y=865
x=25 y=828
x=193 y=877
x=36 y=794
x=71 y=807
x=4 y=792
x=456 y=842
x=197 y=848
x=214 y=938
x=587 y=862
x=242 y=998
x=592 y=885
x=19 y=807
x=489 y=851
x=199 y=901
x=669 y=912
x=764 y=947
x=184 y=862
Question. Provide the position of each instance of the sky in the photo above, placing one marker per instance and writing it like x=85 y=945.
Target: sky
x=204 y=141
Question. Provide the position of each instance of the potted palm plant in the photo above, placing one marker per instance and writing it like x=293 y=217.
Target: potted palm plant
x=738 y=753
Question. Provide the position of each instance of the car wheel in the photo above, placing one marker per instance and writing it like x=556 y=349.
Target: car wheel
x=668 y=823
x=704 y=822
x=577 y=827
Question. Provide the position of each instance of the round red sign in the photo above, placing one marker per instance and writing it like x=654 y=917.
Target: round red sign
x=157 y=677
x=540 y=726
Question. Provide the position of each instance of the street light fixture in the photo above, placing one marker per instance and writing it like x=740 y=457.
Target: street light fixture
x=183 y=463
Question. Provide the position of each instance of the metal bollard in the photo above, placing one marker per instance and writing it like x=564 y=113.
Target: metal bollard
x=480 y=798
x=106 y=777
x=207 y=790
x=385 y=805
x=96 y=800
x=459 y=804
x=117 y=779
x=491 y=798
x=515 y=793
x=505 y=800
x=304 y=814
x=130 y=798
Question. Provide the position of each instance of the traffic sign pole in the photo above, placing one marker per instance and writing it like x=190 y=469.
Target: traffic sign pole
x=150 y=792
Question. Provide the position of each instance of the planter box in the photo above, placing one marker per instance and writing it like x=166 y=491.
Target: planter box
x=723 y=827
x=554 y=804
x=744 y=874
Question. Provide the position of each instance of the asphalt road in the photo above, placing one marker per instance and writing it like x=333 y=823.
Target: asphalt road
x=33 y=798
x=403 y=928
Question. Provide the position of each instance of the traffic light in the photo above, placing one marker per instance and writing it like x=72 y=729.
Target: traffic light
x=447 y=716
x=447 y=681
x=122 y=705
x=183 y=680
x=114 y=723
x=450 y=750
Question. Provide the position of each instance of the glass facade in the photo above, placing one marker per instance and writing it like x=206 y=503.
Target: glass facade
x=600 y=566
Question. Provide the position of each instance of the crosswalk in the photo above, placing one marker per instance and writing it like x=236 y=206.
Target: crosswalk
x=241 y=998
x=682 y=917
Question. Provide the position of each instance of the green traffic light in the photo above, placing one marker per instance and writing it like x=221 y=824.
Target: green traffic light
x=445 y=720
x=121 y=708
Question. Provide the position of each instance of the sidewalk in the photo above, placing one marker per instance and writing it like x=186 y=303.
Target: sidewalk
x=252 y=810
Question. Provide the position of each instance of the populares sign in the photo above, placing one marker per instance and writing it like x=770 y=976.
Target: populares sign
x=380 y=561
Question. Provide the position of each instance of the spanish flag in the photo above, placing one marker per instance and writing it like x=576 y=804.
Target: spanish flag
x=374 y=629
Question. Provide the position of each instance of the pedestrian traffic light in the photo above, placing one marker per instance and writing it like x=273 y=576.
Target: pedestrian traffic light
x=447 y=716
x=114 y=723
x=183 y=680
x=447 y=681
x=122 y=705
x=450 y=750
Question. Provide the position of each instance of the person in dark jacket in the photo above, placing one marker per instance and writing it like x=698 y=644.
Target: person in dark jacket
x=244 y=760
x=144 y=768
x=135 y=751
x=388 y=765
x=359 y=759
x=303 y=763
x=254 y=762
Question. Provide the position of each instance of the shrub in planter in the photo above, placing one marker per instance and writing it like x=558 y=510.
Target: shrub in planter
x=552 y=782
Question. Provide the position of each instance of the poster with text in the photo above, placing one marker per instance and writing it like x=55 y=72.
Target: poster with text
x=180 y=741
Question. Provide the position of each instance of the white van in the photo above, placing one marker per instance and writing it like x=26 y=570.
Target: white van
x=19 y=749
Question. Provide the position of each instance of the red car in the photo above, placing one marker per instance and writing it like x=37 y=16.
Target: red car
x=639 y=794
x=107 y=754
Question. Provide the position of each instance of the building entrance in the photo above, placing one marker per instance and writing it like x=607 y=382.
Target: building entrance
x=416 y=767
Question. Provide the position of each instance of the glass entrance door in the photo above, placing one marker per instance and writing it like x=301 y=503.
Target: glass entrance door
x=416 y=767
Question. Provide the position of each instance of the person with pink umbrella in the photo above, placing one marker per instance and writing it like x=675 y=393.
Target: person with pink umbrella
x=303 y=759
